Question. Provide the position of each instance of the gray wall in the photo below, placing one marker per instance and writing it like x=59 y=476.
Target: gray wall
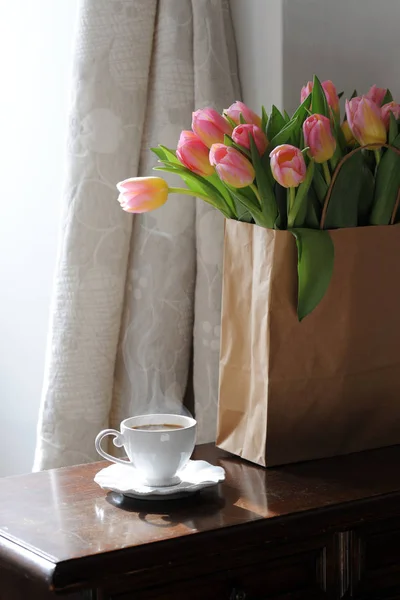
x=282 y=43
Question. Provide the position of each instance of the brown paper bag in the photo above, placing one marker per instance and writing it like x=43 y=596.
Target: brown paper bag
x=329 y=385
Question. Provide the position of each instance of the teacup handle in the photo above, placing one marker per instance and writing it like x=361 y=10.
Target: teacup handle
x=117 y=441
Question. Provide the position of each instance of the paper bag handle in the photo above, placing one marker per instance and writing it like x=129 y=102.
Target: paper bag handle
x=337 y=171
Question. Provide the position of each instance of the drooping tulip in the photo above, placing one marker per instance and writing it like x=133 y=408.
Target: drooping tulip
x=142 y=194
x=348 y=136
x=318 y=136
x=194 y=154
x=249 y=116
x=365 y=121
x=376 y=94
x=288 y=166
x=329 y=88
x=242 y=133
x=210 y=126
x=390 y=107
x=232 y=167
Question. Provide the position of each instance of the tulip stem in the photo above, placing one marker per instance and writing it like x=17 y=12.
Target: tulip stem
x=174 y=190
x=292 y=198
x=377 y=153
x=327 y=173
x=255 y=190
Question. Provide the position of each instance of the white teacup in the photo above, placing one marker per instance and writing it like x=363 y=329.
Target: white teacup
x=158 y=446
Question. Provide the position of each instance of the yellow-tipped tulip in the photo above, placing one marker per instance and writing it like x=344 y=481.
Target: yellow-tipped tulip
x=142 y=194
x=232 y=167
x=365 y=121
x=288 y=166
x=318 y=136
x=348 y=136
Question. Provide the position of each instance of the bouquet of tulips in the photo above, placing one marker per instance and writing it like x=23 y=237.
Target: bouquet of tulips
x=307 y=173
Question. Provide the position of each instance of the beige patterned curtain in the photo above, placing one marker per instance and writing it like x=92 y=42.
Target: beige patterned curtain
x=137 y=300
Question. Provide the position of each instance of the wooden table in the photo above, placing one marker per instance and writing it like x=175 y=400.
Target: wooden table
x=323 y=529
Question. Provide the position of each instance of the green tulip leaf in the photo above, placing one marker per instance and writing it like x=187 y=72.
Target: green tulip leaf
x=343 y=205
x=393 y=128
x=244 y=199
x=242 y=120
x=284 y=134
x=354 y=94
x=230 y=121
x=298 y=213
x=198 y=185
x=303 y=110
x=281 y=202
x=276 y=122
x=314 y=210
x=228 y=141
x=170 y=154
x=319 y=184
x=223 y=190
x=268 y=201
x=315 y=260
x=319 y=103
x=264 y=119
x=340 y=139
x=159 y=152
x=387 y=98
x=386 y=186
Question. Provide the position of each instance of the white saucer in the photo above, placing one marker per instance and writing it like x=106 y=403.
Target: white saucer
x=197 y=475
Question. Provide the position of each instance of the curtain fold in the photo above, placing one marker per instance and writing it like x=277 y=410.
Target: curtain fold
x=129 y=292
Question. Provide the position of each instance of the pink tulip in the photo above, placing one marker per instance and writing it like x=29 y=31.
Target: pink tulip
x=376 y=94
x=208 y=124
x=142 y=194
x=288 y=166
x=232 y=167
x=332 y=97
x=365 y=121
x=390 y=107
x=348 y=136
x=194 y=154
x=242 y=133
x=249 y=116
x=306 y=91
x=318 y=136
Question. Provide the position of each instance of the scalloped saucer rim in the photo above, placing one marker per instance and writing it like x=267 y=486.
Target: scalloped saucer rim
x=196 y=476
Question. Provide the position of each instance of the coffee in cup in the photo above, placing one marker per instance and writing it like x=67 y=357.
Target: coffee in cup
x=158 y=446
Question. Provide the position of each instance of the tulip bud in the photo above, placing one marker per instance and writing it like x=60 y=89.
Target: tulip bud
x=194 y=154
x=142 y=194
x=306 y=91
x=288 y=166
x=210 y=127
x=390 y=107
x=318 y=136
x=376 y=94
x=348 y=136
x=242 y=133
x=249 y=116
x=232 y=167
x=332 y=97
x=365 y=121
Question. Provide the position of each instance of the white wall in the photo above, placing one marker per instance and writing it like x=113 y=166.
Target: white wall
x=258 y=31
x=35 y=54
x=282 y=43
